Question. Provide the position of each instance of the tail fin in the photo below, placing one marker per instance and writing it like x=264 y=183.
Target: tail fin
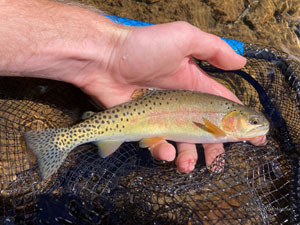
x=48 y=149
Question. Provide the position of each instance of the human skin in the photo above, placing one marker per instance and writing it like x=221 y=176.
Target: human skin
x=46 y=39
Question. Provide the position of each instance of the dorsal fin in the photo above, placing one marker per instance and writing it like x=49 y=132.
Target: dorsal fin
x=141 y=92
x=88 y=114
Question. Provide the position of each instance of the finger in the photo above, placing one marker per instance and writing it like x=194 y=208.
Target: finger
x=191 y=77
x=191 y=41
x=187 y=157
x=163 y=151
x=259 y=141
x=211 y=151
x=216 y=51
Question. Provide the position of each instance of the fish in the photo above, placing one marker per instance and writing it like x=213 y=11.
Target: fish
x=149 y=117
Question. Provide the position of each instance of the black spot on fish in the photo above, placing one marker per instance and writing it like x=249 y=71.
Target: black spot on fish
x=113 y=111
x=104 y=116
x=116 y=116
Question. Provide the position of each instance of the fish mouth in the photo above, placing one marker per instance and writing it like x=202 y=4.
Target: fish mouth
x=258 y=130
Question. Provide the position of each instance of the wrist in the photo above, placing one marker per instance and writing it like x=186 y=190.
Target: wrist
x=86 y=55
x=55 y=41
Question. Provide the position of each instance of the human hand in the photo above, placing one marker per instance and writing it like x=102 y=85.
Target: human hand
x=110 y=61
x=160 y=56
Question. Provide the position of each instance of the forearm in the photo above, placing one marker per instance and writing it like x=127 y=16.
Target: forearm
x=38 y=37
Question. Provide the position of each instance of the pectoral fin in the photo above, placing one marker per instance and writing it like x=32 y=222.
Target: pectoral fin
x=150 y=142
x=106 y=148
x=211 y=128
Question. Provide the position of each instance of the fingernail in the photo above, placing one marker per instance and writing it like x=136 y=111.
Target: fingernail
x=188 y=166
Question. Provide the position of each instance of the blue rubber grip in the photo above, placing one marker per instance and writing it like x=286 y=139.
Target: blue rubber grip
x=237 y=46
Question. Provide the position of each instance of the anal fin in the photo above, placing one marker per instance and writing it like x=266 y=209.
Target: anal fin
x=106 y=148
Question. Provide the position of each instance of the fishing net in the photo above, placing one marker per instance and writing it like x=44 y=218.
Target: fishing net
x=257 y=185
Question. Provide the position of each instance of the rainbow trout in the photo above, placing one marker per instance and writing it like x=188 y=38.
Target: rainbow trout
x=177 y=115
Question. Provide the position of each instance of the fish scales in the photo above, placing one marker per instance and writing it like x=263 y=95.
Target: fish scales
x=176 y=115
x=142 y=117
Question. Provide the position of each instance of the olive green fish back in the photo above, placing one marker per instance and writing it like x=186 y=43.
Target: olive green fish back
x=258 y=185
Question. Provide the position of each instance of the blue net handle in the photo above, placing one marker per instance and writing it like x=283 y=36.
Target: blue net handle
x=237 y=46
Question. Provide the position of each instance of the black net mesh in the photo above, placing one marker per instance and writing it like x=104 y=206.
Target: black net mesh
x=258 y=185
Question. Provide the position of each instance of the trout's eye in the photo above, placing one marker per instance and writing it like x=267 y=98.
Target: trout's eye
x=253 y=121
